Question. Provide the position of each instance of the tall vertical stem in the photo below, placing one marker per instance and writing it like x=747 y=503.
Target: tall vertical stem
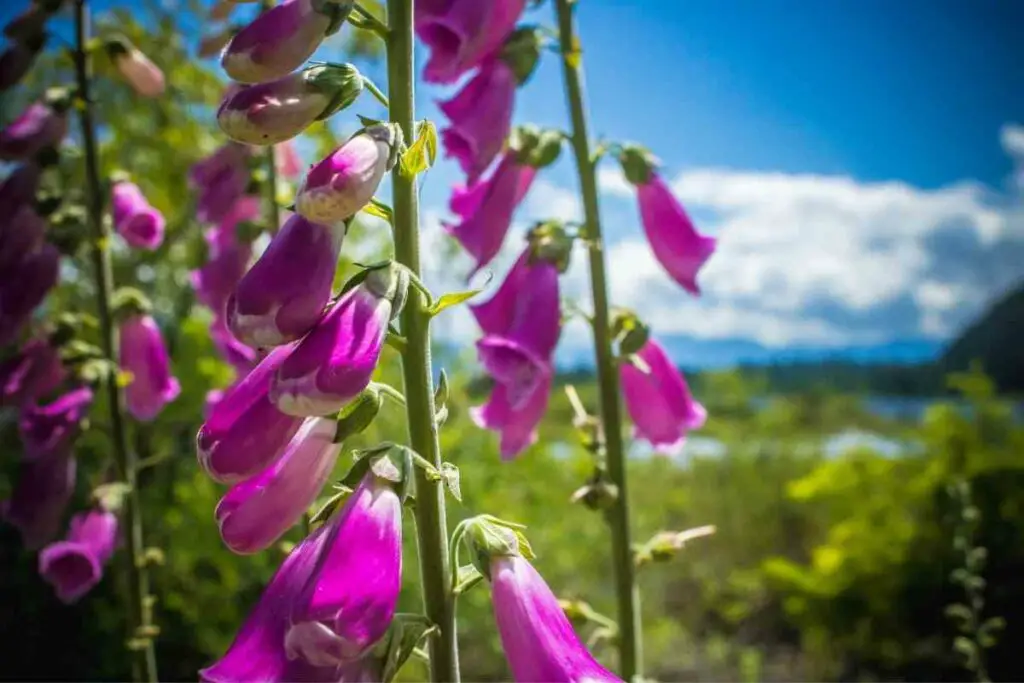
x=630 y=643
x=140 y=624
x=431 y=526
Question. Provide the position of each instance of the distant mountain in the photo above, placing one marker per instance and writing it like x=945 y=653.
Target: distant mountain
x=996 y=339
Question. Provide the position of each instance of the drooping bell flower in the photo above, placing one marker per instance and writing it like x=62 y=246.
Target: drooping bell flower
x=20 y=236
x=256 y=512
x=461 y=34
x=335 y=361
x=245 y=432
x=16 y=60
x=17 y=189
x=283 y=295
x=343 y=183
x=234 y=352
x=521 y=326
x=23 y=288
x=33 y=372
x=289 y=164
x=49 y=430
x=138 y=70
x=517 y=427
x=217 y=198
x=38 y=128
x=40 y=496
x=135 y=219
x=280 y=39
x=539 y=641
x=268 y=113
x=73 y=566
x=349 y=600
x=679 y=248
x=659 y=402
x=31 y=23
x=202 y=173
x=144 y=355
x=480 y=117
x=228 y=257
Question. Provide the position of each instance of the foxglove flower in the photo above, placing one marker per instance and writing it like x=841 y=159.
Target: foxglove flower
x=335 y=362
x=49 y=430
x=659 y=401
x=343 y=183
x=38 y=128
x=280 y=39
x=73 y=566
x=18 y=189
x=218 y=197
x=517 y=426
x=486 y=207
x=349 y=600
x=287 y=160
x=228 y=257
x=255 y=513
x=138 y=70
x=135 y=220
x=144 y=355
x=24 y=286
x=461 y=34
x=202 y=173
x=235 y=352
x=480 y=117
x=16 y=61
x=31 y=23
x=40 y=496
x=272 y=112
x=245 y=432
x=20 y=236
x=283 y=295
x=539 y=641
x=34 y=372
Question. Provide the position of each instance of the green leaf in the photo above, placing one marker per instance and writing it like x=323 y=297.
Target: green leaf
x=450 y=476
x=405 y=634
x=379 y=209
x=421 y=154
x=452 y=299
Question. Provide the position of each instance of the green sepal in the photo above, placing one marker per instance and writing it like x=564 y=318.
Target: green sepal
x=336 y=10
x=629 y=332
x=637 y=163
x=128 y=302
x=110 y=496
x=341 y=84
x=551 y=242
x=522 y=52
x=535 y=147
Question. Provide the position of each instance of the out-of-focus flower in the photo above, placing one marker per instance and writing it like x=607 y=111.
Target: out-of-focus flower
x=135 y=219
x=136 y=68
x=23 y=288
x=49 y=430
x=144 y=355
x=461 y=34
x=480 y=117
x=33 y=372
x=73 y=566
x=41 y=494
x=39 y=127
x=20 y=236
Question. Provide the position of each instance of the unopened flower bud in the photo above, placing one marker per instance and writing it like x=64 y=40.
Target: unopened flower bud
x=137 y=69
x=268 y=113
x=522 y=52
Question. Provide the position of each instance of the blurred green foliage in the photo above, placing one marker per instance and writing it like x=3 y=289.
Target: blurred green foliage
x=824 y=566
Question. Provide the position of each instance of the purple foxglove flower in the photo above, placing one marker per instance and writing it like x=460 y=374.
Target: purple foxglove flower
x=461 y=34
x=18 y=189
x=289 y=164
x=349 y=600
x=20 y=237
x=144 y=355
x=202 y=173
x=343 y=183
x=73 y=566
x=280 y=39
x=268 y=113
x=283 y=295
x=521 y=324
x=24 y=287
x=517 y=427
x=139 y=72
x=258 y=651
x=245 y=432
x=486 y=208
x=49 y=430
x=39 y=127
x=30 y=23
x=255 y=513
x=16 y=61
x=335 y=361
x=480 y=117
x=539 y=642
x=659 y=402
x=676 y=244
x=218 y=198
x=237 y=354
x=135 y=220
x=40 y=497
x=34 y=372
x=217 y=279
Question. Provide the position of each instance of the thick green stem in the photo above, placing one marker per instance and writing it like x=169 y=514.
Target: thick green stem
x=431 y=526
x=140 y=620
x=630 y=636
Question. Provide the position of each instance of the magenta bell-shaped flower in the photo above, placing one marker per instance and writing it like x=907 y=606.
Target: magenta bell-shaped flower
x=680 y=249
x=343 y=183
x=39 y=127
x=231 y=154
x=233 y=351
x=480 y=117
x=245 y=432
x=144 y=355
x=73 y=566
x=659 y=402
x=34 y=372
x=283 y=295
x=135 y=220
x=24 y=286
x=521 y=326
x=280 y=39
x=227 y=259
x=461 y=34
x=335 y=361
x=138 y=70
x=517 y=426
x=40 y=496
x=18 y=189
x=218 y=198
x=286 y=158
x=50 y=429
x=539 y=641
x=16 y=60
x=255 y=513
x=20 y=236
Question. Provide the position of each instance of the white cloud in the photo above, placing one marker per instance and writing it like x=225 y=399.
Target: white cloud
x=1012 y=139
x=547 y=200
x=611 y=180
